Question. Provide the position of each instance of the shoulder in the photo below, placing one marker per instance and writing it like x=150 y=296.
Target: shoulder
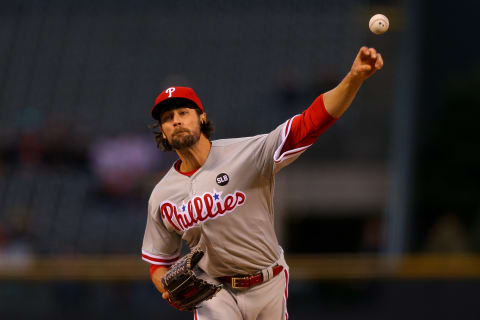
x=236 y=141
x=278 y=130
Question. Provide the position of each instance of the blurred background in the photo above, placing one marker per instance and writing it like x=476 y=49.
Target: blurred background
x=380 y=218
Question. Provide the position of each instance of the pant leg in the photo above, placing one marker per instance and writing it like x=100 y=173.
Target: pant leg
x=275 y=302
x=267 y=301
x=221 y=307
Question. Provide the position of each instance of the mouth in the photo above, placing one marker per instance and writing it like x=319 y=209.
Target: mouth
x=180 y=132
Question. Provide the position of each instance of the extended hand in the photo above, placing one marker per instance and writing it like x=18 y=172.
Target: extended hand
x=366 y=63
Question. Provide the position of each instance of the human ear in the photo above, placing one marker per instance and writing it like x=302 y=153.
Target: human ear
x=163 y=134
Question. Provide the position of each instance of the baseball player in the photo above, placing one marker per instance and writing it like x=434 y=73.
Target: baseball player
x=218 y=196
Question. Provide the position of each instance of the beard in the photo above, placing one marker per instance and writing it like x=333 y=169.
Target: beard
x=184 y=138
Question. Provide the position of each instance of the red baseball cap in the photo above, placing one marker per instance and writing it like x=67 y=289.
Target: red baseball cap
x=174 y=94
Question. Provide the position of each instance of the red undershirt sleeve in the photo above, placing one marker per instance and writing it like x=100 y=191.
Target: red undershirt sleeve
x=153 y=268
x=308 y=126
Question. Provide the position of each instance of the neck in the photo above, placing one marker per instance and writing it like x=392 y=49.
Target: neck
x=195 y=156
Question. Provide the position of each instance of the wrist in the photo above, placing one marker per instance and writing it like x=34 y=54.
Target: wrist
x=354 y=79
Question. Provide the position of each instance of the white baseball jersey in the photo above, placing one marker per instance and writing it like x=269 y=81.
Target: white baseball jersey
x=225 y=207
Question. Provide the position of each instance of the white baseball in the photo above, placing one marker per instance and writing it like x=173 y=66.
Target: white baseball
x=378 y=24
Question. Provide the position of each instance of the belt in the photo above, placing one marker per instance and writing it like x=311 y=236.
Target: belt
x=251 y=280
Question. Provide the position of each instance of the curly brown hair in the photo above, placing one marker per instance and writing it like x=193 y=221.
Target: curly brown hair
x=206 y=128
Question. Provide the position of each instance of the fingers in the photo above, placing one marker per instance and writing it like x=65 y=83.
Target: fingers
x=371 y=56
x=364 y=68
x=165 y=295
x=379 y=62
x=367 y=62
x=366 y=53
x=363 y=52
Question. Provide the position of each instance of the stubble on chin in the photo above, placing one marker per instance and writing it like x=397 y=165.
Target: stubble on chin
x=182 y=141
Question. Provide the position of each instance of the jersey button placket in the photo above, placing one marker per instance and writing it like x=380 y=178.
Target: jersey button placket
x=192 y=188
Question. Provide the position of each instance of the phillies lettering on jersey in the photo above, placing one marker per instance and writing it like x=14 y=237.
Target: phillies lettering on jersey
x=200 y=208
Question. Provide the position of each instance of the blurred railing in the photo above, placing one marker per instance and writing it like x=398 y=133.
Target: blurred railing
x=302 y=267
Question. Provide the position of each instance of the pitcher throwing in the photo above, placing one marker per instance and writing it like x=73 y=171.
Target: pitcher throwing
x=218 y=197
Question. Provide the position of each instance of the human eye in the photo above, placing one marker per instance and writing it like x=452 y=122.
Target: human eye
x=166 y=117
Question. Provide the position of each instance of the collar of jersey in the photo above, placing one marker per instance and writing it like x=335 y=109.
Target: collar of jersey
x=188 y=174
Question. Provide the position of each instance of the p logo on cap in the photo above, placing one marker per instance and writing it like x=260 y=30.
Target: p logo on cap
x=174 y=94
x=170 y=91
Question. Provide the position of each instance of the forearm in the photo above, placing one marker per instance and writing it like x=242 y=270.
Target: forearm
x=339 y=99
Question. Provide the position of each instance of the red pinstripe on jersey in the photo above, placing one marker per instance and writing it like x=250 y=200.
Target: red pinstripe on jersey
x=160 y=260
x=285 y=297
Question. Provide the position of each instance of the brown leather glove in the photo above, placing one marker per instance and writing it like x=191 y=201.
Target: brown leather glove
x=186 y=289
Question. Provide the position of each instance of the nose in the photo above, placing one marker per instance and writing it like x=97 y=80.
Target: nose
x=176 y=120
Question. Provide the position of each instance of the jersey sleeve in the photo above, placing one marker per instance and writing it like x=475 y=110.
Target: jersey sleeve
x=306 y=127
x=160 y=246
x=291 y=139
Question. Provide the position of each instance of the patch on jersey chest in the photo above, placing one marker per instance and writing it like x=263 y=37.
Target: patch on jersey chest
x=209 y=205
x=222 y=179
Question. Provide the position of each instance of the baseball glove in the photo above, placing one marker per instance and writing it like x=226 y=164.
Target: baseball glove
x=186 y=289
